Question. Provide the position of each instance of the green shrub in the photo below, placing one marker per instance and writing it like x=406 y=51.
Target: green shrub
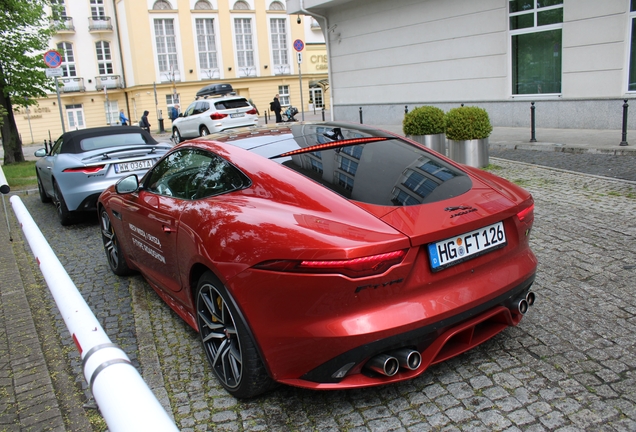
x=467 y=123
x=425 y=120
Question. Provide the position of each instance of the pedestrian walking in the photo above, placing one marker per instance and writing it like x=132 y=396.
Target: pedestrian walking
x=174 y=112
x=144 y=123
x=122 y=118
x=275 y=106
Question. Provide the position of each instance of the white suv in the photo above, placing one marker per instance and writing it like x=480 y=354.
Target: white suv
x=205 y=116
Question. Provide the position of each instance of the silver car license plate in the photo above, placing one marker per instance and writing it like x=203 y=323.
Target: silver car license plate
x=237 y=115
x=133 y=166
x=468 y=245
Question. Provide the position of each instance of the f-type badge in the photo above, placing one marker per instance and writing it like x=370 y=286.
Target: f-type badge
x=465 y=210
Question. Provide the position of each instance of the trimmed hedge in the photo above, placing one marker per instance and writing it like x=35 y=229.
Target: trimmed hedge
x=425 y=120
x=467 y=123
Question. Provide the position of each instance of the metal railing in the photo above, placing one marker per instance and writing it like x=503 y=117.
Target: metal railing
x=124 y=399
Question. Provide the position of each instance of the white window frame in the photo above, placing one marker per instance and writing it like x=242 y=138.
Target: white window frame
x=214 y=71
x=68 y=65
x=98 y=10
x=170 y=70
x=248 y=68
x=106 y=60
x=284 y=95
x=280 y=61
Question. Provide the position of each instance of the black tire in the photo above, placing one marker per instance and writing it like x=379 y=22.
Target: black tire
x=43 y=196
x=63 y=214
x=204 y=131
x=227 y=343
x=176 y=135
x=114 y=253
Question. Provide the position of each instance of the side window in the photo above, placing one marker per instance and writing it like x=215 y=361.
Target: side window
x=190 y=109
x=57 y=147
x=192 y=174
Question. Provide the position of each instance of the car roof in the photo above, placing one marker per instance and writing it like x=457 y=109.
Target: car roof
x=72 y=139
x=356 y=161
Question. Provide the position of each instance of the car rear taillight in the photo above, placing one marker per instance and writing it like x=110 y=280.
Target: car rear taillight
x=217 y=116
x=527 y=214
x=252 y=111
x=353 y=268
x=86 y=170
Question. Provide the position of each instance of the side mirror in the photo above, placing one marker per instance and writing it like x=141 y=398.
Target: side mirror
x=40 y=153
x=127 y=184
x=180 y=114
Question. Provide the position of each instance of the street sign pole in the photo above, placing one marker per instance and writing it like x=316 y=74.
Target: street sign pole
x=59 y=104
x=298 y=46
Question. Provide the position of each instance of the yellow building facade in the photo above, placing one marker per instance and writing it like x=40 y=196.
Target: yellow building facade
x=140 y=55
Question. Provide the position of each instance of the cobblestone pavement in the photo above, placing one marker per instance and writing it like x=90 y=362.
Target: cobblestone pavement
x=570 y=365
x=607 y=165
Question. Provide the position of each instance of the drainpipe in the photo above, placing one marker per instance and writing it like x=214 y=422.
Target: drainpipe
x=326 y=34
x=121 y=60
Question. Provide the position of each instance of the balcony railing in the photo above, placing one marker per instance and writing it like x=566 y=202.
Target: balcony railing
x=108 y=82
x=98 y=24
x=72 y=84
x=63 y=24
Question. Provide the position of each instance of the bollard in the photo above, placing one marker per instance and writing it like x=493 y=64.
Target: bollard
x=533 y=137
x=265 y=116
x=361 y=116
x=406 y=109
x=45 y=147
x=624 y=140
x=323 y=113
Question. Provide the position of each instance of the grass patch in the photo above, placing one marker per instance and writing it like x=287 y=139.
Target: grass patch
x=20 y=174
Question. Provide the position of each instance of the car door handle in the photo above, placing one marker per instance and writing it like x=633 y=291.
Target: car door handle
x=168 y=229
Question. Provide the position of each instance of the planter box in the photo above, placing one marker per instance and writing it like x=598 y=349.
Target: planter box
x=435 y=142
x=469 y=152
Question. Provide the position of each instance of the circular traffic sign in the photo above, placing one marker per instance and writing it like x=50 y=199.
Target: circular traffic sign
x=298 y=45
x=52 y=59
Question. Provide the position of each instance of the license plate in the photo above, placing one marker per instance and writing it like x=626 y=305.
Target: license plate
x=133 y=166
x=237 y=115
x=465 y=246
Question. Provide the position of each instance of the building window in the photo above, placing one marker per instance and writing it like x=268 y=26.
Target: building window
x=162 y=5
x=241 y=5
x=202 y=5
x=104 y=61
x=111 y=108
x=535 y=29
x=632 y=52
x=283 y=95
x=68 y=59
x=206 y=44
x=58 y=9
x=97 y=10
x=280 y=53
x=244 y=45
x=166 y=48
x=276 y=6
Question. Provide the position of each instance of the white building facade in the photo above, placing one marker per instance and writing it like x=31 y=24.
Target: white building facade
x=576 y=59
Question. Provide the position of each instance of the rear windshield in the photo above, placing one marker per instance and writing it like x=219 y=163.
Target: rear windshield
x=362 y=164
x=231 y=103
x=100 y=142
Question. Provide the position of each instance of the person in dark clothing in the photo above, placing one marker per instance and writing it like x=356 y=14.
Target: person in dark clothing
x=275 y=106
x=144 y=121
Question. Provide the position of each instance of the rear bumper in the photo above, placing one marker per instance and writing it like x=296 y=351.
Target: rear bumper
x=435 y=342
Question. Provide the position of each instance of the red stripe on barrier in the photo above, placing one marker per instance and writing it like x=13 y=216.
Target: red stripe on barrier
x=77 y=344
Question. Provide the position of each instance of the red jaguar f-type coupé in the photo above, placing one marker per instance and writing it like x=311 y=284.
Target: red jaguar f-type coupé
x=324 y=255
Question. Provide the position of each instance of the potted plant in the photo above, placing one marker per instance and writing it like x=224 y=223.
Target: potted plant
x=425 y=125
x=467 y=132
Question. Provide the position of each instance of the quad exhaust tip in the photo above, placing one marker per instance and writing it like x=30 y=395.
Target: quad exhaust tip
x=384 y=364
x=388 y=364
x=525 y=302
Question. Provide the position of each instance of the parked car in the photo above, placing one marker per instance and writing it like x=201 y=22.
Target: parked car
x=324 y=255
x=82 y=163
x=224 y=110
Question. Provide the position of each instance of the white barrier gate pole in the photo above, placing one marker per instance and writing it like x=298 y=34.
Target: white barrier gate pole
x=123 y=397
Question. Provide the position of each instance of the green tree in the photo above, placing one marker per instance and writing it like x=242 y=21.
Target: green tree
x=25 y=34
